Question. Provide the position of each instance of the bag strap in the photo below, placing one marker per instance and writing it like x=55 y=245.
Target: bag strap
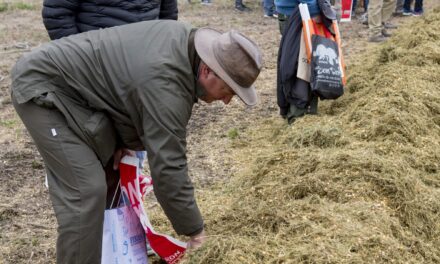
x=116 y=192
x=308 y=29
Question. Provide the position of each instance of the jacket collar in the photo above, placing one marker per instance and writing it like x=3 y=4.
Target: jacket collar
x=195 y=63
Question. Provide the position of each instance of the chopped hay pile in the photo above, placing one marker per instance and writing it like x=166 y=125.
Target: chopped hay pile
x=360 y=183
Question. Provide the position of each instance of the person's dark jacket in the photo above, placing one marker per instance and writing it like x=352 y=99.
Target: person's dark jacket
x=66 y=17
x=290 y=89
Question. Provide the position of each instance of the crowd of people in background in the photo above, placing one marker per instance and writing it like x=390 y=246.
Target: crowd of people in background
x=373 y=13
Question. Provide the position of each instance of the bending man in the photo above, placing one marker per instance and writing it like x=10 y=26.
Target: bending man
x=86 y=98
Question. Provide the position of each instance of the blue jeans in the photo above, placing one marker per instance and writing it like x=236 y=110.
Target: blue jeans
x=268 y=7
x=355 y=4
x=418 y=6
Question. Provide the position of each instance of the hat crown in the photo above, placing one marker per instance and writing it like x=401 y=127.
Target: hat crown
x=233 y=57
x=239 y=57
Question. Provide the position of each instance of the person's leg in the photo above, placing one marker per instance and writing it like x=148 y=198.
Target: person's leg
x=388 y=8
x=375 y=18
x=353 y=7
x=418 y=7
x=77 y=183
x=407 y=7
x=268 y=7
x=338 y=9
x=399 y=6
x=241 y=7
x=366 y=2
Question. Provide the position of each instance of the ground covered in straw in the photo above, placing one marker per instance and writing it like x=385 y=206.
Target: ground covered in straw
x=359 y=183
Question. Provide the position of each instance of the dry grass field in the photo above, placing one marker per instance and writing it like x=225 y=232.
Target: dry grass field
x=359 y=183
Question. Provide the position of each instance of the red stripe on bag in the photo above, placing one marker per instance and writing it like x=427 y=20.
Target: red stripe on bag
x=168 y=248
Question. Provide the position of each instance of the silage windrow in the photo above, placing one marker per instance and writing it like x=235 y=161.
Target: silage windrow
x=358 y=183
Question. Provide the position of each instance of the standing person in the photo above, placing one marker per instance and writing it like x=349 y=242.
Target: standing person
x=418 y=8
x=63 y=18
x=86 y=98
x=269 y=9
x=379 y=12
x=241 y=7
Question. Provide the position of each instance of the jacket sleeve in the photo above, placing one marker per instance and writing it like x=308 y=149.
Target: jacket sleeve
x=59 y=17
x=165 y=117
x=168 y=9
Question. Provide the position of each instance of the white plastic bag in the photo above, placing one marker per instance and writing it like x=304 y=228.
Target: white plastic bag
x=123 y=238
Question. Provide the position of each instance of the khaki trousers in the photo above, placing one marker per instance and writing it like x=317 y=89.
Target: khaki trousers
x=78 y=184
x=379 y=11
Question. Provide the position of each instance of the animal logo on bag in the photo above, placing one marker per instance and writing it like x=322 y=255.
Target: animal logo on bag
x=326 y=72
x=326 y=55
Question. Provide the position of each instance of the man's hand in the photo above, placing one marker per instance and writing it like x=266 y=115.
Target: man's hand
x=196 y=241
x=117 y=156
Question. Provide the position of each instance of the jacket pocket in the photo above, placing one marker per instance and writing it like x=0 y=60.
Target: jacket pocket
x=101 y=133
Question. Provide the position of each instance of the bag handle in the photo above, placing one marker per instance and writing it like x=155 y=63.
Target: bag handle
x=116 y=192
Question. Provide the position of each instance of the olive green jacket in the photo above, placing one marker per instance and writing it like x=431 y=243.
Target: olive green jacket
x=131 y=86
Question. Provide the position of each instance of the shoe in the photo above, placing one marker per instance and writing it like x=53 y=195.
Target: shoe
x=407 y=13
x=389 y=25
x=270 y=16
x=242 y=8
x=417 y=14
x=275 y=15
x=206 y=2
x=386 y=33
x=377 y=38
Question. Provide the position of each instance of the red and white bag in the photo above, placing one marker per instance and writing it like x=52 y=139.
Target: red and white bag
x=168 y=248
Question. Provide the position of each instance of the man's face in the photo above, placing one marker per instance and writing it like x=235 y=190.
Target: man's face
x=215 y=89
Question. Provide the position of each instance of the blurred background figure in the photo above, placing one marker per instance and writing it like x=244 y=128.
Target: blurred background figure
x=269 y=9
x=399 y=8
x=365 y=7
x=418 y=8
x=379 y=12
x=67 y=17
x=337 y=6
x=239 y=6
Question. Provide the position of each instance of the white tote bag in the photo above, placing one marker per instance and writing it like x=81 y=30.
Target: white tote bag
x=123 y=239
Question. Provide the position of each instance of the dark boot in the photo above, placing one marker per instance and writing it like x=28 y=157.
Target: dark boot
x=239 y=6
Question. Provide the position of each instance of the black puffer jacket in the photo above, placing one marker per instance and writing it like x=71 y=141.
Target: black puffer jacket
x=66 y=17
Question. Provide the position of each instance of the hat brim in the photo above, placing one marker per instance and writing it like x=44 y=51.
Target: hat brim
x=204 y=40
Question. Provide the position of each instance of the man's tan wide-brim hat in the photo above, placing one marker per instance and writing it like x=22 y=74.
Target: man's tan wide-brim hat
x=233 y=57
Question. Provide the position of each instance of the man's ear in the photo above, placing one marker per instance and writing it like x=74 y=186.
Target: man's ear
x=204 y=70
